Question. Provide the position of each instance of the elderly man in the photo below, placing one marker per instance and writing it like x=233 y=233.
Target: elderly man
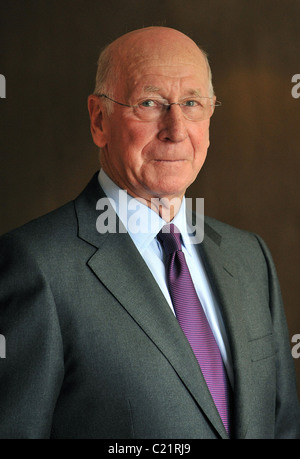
x=124 y=334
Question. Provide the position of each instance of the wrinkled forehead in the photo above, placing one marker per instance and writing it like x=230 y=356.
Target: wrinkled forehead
x=159 y=62
x=153 y=79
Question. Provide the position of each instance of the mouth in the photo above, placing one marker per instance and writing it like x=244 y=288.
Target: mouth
x=169 y=160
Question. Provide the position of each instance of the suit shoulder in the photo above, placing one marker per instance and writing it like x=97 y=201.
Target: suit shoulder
x=55 y=225
x=232 y=238
x=223 y=229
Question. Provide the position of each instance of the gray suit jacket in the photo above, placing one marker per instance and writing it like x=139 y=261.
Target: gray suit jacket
x=94 y=351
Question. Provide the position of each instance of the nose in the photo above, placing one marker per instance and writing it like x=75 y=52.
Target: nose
x=173 y=125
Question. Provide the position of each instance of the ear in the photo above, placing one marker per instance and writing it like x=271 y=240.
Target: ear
x=95 y=107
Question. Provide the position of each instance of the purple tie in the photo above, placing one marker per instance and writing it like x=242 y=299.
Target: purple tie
x=193 y=321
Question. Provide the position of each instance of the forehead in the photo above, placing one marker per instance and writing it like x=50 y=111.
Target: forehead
x=161 y=58
x=164 y=76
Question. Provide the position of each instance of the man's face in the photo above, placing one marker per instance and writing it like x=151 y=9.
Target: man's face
x=159 y=158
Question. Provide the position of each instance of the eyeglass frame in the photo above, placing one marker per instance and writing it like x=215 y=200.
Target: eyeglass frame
x=217 y=103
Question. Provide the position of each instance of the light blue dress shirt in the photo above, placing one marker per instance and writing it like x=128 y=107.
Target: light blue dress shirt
x=142 y=224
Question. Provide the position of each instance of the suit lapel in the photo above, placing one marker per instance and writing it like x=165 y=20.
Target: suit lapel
x=147 y=306
x=118 y=264
x=224 y=278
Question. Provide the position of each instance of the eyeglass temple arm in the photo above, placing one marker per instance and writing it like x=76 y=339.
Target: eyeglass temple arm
x=120 y=103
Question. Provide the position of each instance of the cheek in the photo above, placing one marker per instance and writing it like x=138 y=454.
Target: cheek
x=133 y=145
x=133 y=133
x=140 y=134
x=200 y=142
x=127 y=149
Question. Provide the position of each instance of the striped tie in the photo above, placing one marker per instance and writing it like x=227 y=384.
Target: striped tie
x=193 y=321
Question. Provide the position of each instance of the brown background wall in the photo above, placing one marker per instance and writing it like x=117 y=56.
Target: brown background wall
x=49 y=50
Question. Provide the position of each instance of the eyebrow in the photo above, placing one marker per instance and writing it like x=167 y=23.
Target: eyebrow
x=195 y=92
x=190 y=92
x=151 y=89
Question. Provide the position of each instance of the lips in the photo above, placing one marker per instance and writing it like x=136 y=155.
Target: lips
x=169 y=161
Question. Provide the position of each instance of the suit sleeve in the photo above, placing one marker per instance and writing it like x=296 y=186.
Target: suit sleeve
x=287 y=414
x=32 y=371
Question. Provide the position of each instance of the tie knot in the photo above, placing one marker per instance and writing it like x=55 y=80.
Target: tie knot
x=169 y=237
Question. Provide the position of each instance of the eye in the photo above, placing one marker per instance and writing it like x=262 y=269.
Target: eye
x=191 y=103
x=148 y=103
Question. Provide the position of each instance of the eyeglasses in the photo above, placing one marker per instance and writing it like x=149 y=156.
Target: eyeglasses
x=193 y=109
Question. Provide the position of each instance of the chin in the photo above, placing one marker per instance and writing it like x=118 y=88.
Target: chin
x=170 y=190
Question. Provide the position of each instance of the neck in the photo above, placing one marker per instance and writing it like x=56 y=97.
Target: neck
x=165 y=207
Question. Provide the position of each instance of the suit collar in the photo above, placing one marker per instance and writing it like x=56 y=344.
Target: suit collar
x=224 y=277
x=87 y=214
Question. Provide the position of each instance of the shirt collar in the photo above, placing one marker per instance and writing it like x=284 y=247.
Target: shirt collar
x=141 y=222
